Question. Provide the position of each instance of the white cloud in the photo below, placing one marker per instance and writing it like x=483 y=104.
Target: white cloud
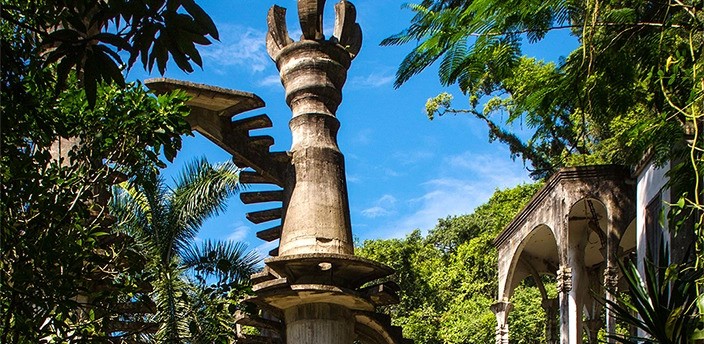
x=239 y=232
x=391 y=173
x=496 y=168
x=413 y=157
x=263 y=249
x=353 y=178
x=387 y=199
x=374 y=212
x=473 y=180
x=271 y=80
x=384 y=206
x=362 y=136
x=239 y=47
x=372 y=80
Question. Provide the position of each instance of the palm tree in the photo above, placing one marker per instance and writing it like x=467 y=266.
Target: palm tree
x=165 y=221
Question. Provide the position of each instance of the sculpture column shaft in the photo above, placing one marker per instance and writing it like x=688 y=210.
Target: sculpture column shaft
x=319 y=323
x=316 y=205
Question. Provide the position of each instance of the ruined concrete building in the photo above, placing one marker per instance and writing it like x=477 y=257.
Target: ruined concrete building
x=313 y=289
x=576 y=228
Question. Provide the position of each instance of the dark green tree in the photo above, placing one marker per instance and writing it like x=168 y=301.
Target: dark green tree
x=625 y=90
x=633 y=89
x=165 y=221
x=71 y=128
x=448 y=279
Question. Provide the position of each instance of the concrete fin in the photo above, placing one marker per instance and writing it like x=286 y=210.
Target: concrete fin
x=241 y=163
x=345 y=18
x=264 y=141
x=262 y=196
x=245 y=319
x=270 y=234
x=264 y=215
x=347 y=32
x=250 y=177
x=250 y=123
x=310 y=15
x=277 y=37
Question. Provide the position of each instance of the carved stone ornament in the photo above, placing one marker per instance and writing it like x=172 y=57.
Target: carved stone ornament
x=611 y=277
x=564 y=279
x=347 y=32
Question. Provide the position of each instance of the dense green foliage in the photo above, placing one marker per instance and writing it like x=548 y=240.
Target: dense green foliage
x=190 y=306
x=632 y=85
x=55 y=244
x=71 y=128
x=85 y=37
x=448 y=280
x=662 y=302
x=632 y=90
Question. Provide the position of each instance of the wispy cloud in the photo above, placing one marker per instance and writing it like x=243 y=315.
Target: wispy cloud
x=239 y=232
x=384 y=206
x=372 y=80
x=412 y=157
x=239 y=47
x=391 y=173
x=353 y=178
x=473 y=180
x=374 y=212
x=271 y=80
x=362 y=136
x=494 y=168
x=263 y=249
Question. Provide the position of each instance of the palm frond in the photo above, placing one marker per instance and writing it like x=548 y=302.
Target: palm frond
x=227 y=261
x=200 y=193
x=171 y=298
x=664 y=299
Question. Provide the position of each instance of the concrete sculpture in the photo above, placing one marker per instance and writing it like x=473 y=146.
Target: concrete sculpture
x=313 y=289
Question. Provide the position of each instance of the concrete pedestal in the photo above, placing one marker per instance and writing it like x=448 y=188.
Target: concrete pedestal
x=319 y=323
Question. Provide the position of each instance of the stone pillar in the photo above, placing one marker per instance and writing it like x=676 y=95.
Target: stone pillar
x=501 y=309
x=568 y=312
x=319 y=323
x=316 y=281
x=313 y=72
x=610 y=287
x=611 y=275
x=552 y=331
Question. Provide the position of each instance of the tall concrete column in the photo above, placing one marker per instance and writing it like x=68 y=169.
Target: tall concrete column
x=317 y=209
x=320 y=323
x=501 y=309
x=315 y=283
x=570 y=316
x=552 y=330
x=611 y=275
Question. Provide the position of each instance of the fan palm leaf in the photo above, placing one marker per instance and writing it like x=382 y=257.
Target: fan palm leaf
x=227 y=262
x=166 y=220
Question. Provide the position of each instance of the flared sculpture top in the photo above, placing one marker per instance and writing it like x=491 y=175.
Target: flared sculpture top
x=313 y=70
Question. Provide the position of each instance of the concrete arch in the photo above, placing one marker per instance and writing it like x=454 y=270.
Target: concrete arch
x=588 y=219
x=537 y=254
x=584 y=211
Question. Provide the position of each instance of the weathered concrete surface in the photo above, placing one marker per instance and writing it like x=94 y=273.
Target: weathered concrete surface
x=320 y=323
x=317 y=208
x=315 y=282
x=572 y=229
x=313 y=286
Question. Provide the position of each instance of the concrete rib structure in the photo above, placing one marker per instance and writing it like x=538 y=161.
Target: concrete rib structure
x=313 y=289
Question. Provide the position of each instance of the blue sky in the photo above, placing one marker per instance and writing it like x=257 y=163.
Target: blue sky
x=403 y=171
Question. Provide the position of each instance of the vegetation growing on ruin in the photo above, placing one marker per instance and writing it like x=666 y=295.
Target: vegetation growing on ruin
x=448 y=278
